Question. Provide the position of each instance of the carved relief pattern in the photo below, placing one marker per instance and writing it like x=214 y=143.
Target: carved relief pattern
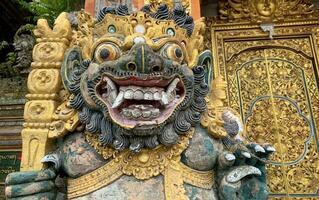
x=272 y=84
x=261 y=10
x=283 y=125
x=302 y=44
x=44 y=84
x=171 y=3
x=44 y=80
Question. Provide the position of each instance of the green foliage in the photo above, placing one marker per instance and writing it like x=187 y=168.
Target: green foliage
x=49 y=9
x=6 y=69
x=3 y=45
x=46 y=9
x=26 y=28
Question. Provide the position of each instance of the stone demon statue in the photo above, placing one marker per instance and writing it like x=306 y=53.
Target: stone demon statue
x=136 y=114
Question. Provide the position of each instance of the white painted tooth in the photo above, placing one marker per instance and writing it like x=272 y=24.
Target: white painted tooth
x=148 y=96
x=164 y=100
x=146 y=114
x=230 y=157
x=136 y=113
x=127 y=113
x=246 y=154
x=258 y=148
x=270 y=148
x=111 y=84
x=128 y=94
x=119 y=99
x=155 y=112
x=172 y=86
x=112 y=96
x=157 y=96
x=138 y=95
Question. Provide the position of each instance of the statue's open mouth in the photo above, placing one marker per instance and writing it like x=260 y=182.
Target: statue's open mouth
x=135 y=102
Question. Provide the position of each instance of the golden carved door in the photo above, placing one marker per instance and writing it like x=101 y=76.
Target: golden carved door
x=273 y=84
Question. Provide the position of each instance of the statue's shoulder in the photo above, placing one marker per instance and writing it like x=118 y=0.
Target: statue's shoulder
x=202 y=151
x=78 y=157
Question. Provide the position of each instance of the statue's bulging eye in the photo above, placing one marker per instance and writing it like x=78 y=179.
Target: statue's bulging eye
x=173 y=52
x=106 y=52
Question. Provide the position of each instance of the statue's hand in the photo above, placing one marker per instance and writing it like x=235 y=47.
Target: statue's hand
x=242 y=175
x=31 y=185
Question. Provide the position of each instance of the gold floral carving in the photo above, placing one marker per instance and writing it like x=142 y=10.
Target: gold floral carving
x=211 y=118
x=170 y=3
x=44 y=80
x=272 y=84
x=143 y=165
x=173 y=183
x=103 y=176
x=147 y=163
x=265 y=10
x=44 y=84
x=65 y=119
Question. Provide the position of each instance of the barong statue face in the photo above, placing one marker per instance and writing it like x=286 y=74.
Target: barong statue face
x=138 y=80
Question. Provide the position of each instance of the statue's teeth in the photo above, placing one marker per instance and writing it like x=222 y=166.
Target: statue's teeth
x=164 y=100
x=147 y=114
x=148 y=96
x=111 y=90
x=172 y=86
x=157 y=96
x=109 y=83
x=140 y=111
x=136 y=113
x=151 y=93
x=127 y=113
x=155 y=112
x=129 y=94
x=119 y=99
x=138 y=95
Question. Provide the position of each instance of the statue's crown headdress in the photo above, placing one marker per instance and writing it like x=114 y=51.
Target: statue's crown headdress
x=176 y=24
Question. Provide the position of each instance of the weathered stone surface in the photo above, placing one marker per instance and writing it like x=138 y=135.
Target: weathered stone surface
x=129 y=188
x=78 y=157
x=202 y=151
x=195 y=193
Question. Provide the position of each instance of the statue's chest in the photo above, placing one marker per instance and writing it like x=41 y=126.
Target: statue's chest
x=129 y=188
x=151 y=174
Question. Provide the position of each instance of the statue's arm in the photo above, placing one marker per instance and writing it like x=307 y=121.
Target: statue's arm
x=240 y=167
x=240 y=175
x=41 y=184
x=72 y=158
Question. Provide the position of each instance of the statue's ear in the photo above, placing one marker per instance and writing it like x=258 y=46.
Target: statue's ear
x=205 y=59
x=71 y=62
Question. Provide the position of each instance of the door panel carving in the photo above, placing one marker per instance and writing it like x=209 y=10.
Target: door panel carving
x=273 y=84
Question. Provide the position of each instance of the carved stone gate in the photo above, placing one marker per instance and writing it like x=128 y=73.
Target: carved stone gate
x=272 y=81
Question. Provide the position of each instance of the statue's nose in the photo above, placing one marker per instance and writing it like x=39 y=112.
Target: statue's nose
x=144 y=60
